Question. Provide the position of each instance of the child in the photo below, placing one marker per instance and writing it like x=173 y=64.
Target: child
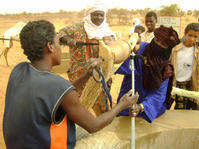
x=184 y=58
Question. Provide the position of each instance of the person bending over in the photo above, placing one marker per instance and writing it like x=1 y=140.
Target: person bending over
x=153 y=78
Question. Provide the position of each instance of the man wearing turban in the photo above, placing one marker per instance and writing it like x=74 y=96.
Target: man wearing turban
x=153 y=78
x=92 y=29
x=136 y=22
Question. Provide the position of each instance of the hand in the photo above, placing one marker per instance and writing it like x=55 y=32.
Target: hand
x=135 y=110
x=71 y=42
x=128 y=100
x=94 y=63
x=67 y=40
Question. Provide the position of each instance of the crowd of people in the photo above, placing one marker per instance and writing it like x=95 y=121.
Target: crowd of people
x=183 y=58
x=42 y=108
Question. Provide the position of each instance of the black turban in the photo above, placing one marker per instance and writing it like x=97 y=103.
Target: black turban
x=167 y=35
x=158 y=67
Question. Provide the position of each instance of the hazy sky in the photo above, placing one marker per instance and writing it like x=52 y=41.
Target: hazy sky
x=17 y=6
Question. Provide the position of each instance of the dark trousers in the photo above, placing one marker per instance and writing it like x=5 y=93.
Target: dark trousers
x=185 y=102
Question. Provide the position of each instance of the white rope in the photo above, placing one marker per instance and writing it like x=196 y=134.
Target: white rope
x=185 y=93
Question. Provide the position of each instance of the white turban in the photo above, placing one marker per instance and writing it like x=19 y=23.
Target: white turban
x=95 y=5
x=93 y=31
x=136 y=21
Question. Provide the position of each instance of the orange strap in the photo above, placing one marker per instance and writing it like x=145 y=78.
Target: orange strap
x=59 y=135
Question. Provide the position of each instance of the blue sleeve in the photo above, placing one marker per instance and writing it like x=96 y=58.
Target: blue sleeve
x=124 y=68
x=154 y=103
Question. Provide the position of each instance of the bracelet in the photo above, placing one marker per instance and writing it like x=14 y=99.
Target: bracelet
x=142 y=107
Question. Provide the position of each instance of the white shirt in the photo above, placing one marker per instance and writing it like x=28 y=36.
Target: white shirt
x=184 y=64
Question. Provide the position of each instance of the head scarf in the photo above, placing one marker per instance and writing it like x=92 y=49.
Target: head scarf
x=136 y=21
x=158 y=67
x=93 y=31
x=168 y=35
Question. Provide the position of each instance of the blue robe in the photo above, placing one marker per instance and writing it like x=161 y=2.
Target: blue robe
x=152 y=100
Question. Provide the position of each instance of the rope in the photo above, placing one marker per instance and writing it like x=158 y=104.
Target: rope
x=105 y=88
x=185 y=93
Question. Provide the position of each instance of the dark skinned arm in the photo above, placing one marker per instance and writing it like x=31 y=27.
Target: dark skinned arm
x=93 y=63
x=81 y=116
x=82 y=80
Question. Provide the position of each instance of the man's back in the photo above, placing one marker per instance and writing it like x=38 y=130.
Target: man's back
x=38 y=94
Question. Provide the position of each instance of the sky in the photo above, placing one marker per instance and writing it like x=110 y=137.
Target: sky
x=34 y=6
